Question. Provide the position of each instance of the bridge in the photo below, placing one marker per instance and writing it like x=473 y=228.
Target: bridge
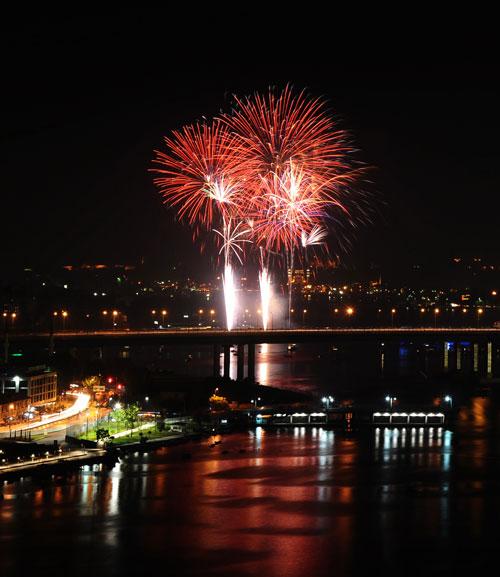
x=223 y=339
x=254 y=336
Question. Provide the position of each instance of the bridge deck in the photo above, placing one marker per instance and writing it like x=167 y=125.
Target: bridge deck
x=244 y=336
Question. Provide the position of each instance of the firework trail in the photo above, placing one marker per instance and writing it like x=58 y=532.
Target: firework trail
x=266 y=294
x=229 y=296
x=232 y=245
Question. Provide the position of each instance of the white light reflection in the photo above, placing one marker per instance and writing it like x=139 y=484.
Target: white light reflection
x=262 y=368
x=259 y=433
x=447 y=450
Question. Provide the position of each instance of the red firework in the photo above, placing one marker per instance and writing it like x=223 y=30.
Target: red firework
x=198 y=174
x=278 y=163
x=278 y=128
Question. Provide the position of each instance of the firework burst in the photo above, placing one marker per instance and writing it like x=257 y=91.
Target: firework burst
x=197 y=177
x=275 y=172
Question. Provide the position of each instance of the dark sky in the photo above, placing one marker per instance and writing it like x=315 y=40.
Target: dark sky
x=85 y=102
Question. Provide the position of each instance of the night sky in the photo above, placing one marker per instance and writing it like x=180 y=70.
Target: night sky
x=86 y=102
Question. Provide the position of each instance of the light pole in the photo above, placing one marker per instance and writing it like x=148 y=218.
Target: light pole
x=436 y=312
x=480 y=311
x=163 y=315
x=393 y=312
x=389 y=399
x=448 y=399
x=304 y=312
x=326 y=401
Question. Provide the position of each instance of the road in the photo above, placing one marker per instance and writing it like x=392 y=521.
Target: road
x=53 y=426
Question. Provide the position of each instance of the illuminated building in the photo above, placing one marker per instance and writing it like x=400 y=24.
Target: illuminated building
x=38 y=384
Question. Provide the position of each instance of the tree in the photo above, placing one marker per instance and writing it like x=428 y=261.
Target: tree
x=101 y=434
x=128 y=416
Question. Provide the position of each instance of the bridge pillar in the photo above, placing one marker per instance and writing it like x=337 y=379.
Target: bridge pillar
x=227 y=361
x=445 y=355
x=241 y=363
x=216 y=361
x=459 y=357
x=489 y=360
x=475 y=351
x=251 y=362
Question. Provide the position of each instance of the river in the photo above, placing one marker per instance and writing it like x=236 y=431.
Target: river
x=290 y=502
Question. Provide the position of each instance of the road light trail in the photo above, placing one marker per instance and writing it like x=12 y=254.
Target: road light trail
x=80 y=405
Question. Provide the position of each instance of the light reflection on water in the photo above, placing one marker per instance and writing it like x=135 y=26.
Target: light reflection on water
x=288 y=502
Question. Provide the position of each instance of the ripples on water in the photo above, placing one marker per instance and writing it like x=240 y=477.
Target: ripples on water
x=291 y=502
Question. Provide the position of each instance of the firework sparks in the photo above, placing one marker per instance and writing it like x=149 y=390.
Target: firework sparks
x=232 y=240
x=232 y=244
x=315 y=237
x=229 y=295
x=197 y=177
x=265 y=296
x=274 y=172
x=277 y=128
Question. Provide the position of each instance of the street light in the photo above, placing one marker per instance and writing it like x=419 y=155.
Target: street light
x=436 y=312
x=448 y=399
x=304 y=312
x=480 y=311
x=163 y=315
x=390 y=400
x=393 y=312
x=326 y=401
